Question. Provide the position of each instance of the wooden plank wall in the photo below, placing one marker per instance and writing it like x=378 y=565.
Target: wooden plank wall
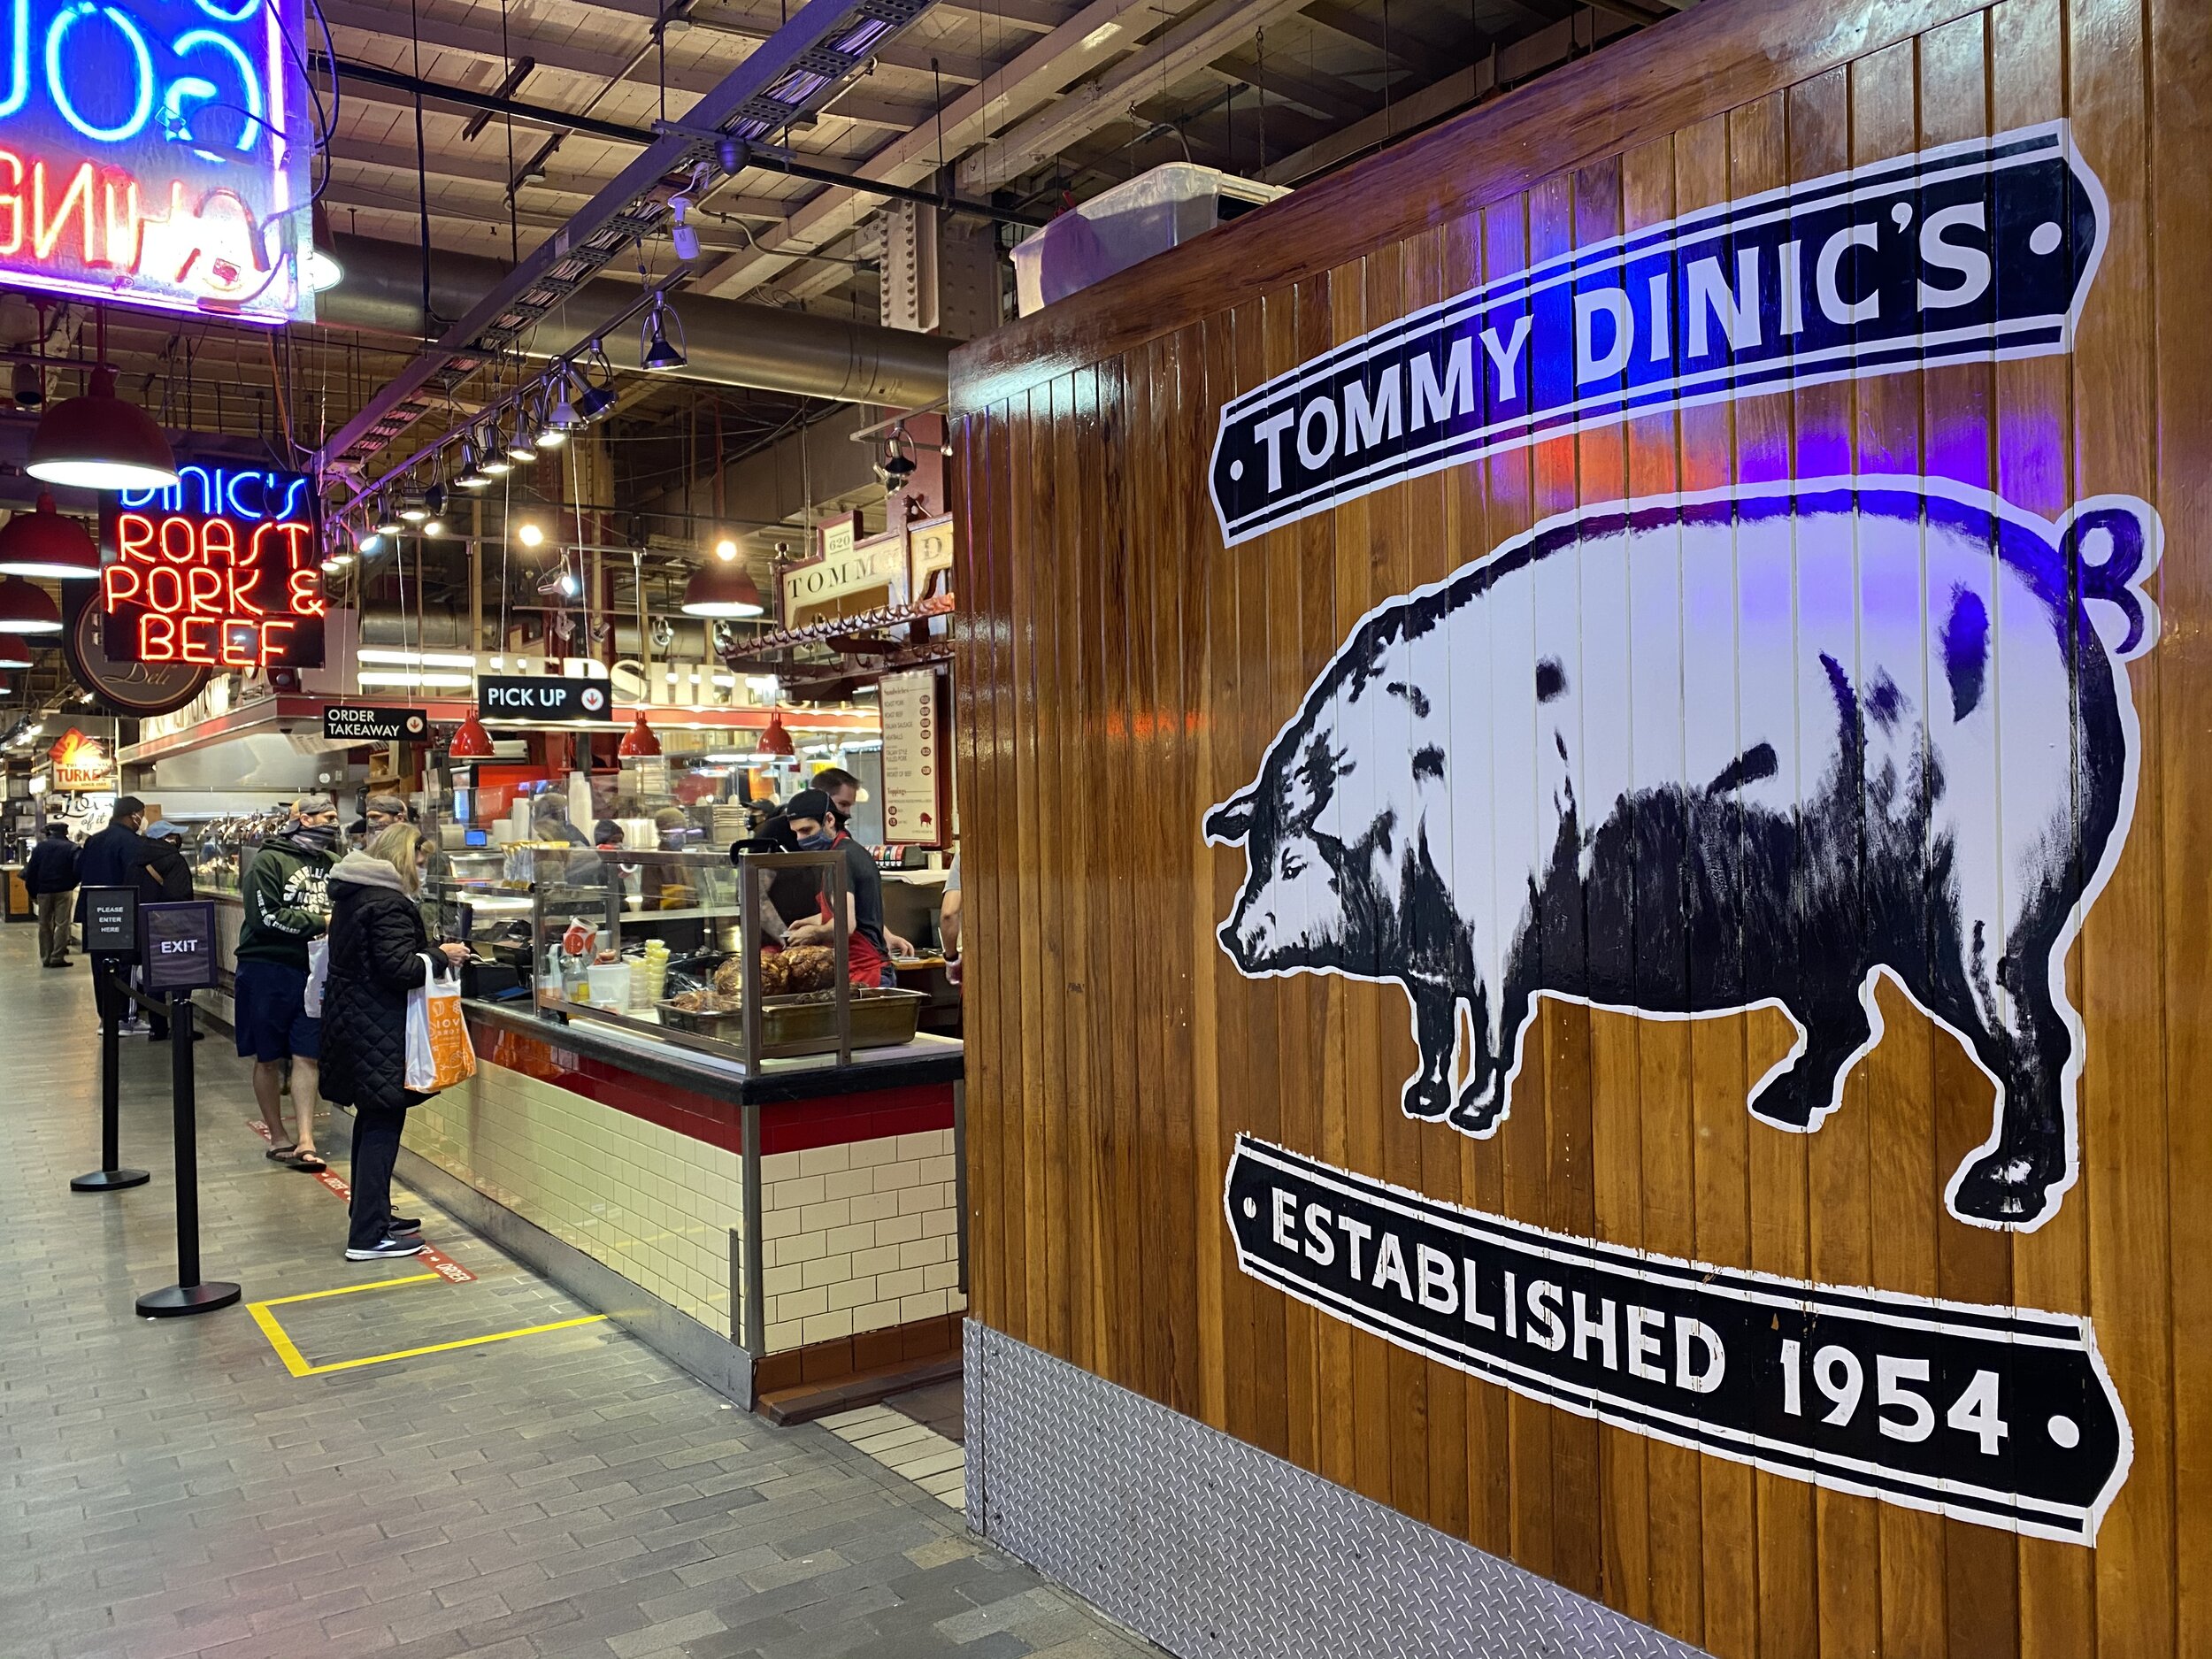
x=1120 y=672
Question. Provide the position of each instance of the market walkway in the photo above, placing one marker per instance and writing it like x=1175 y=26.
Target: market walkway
x=172 y=1488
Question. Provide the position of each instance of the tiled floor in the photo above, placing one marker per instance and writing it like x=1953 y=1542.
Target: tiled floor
x=170 y=1488
x=914 y=1450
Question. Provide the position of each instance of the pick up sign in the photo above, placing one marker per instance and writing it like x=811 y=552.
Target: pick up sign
x=2000 y=1415
x=1979 y=250
x=541 y=697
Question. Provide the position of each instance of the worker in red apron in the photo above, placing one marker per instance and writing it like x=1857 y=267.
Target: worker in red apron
x=814 y=827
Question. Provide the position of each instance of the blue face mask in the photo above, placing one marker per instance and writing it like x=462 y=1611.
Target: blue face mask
x=817 y=843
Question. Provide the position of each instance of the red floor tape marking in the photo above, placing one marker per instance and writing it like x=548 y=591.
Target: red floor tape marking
x=436 y=1260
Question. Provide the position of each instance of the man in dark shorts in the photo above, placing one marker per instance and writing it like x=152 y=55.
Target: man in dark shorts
x=287 y=907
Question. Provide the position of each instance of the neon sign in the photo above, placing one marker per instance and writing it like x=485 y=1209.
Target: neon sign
x=221 y=570
x=155 y=152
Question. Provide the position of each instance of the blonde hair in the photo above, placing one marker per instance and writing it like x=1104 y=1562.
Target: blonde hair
x=396 y=847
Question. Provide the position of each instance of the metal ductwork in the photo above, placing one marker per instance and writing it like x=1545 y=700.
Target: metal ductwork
x=730 y=343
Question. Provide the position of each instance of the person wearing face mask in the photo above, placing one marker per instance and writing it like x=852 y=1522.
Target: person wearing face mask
x=814 y=828
x=287 y=901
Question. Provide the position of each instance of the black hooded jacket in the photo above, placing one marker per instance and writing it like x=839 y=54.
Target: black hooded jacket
x=377 y=945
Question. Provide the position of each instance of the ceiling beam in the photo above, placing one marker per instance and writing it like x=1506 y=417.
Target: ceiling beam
x=745 y=24
x=1405 y=46
x=483 y=215
x=1096 y=34
x=1197 y=40
x=1324 y=94
x=576 y=187
x=610 y=221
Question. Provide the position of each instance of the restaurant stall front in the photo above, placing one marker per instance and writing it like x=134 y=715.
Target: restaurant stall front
x=1635 y=1085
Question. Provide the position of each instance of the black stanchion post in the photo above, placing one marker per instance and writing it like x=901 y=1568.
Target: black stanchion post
x=111 y=1177
x=181 y=957
x=110 y=929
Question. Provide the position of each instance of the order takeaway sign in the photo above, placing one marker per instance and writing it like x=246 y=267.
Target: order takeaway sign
x=221 y=570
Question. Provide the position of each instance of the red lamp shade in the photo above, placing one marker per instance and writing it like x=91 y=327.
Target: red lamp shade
x=470 y=740
x=639 y=739
x=44 y=543
x=723 y=589
x=775 y=740
x=99 y=441
x=27 y=609
x=13 y=652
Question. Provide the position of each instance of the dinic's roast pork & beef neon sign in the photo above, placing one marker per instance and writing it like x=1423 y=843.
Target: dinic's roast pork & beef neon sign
x=157 y=153
x=221 y=570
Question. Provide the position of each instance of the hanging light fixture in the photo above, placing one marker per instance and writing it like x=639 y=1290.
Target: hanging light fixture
x=522 y=444
x=319 y=270
x=99 y=441
x=656 y=351
x=774 y=740
x=41 y=542
x=561 y=417
x=470 y=740
x=639 y=739
x=14 y=653
x=27 y=609
x=598 y=397
x=723 y=588
x=472 y=475
x=388 y=522
x=492 y=453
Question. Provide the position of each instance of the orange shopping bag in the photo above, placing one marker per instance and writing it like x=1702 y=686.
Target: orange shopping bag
x=439 y=1053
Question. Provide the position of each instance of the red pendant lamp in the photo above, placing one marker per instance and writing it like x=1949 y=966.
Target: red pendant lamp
x=639 y=739
x=41 y=542
x=775 y=740
x=25 y=609
x=470 y=740
x=14 y=653
x=99 y=441
x=723 y=586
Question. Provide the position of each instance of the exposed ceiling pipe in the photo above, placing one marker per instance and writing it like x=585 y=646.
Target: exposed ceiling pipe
x=731 y=343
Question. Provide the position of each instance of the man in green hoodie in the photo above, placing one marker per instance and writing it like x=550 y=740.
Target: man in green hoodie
x=287 y=907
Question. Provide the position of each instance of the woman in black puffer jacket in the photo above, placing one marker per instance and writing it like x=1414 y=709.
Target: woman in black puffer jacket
x=377 y=945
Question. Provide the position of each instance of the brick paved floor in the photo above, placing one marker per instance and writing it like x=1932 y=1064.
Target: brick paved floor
x=168 y=1489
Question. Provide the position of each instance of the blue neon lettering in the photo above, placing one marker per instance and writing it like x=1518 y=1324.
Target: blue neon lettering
x=250 y=131
x=19 y=87
x=244 y=10
x=57 y=31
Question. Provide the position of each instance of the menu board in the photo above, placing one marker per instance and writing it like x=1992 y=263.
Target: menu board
x=912 y=754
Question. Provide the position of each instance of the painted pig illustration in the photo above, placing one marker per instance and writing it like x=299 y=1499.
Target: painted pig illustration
x=1753 y=747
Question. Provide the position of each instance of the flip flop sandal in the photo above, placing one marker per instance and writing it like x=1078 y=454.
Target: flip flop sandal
x=278 y=1155
x=312 y=1163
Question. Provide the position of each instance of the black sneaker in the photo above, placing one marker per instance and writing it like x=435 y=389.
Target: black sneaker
x=389 y=1247
x=404 y=1224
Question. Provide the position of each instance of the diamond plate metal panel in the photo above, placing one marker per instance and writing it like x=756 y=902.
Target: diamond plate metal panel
x=1219 y=1550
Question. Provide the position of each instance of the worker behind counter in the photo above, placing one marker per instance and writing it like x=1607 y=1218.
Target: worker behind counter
x=814 y=827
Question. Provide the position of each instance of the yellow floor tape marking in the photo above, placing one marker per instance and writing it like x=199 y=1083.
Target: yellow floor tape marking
x=296 y=1363
x=442 y=1347
x=286 y=1348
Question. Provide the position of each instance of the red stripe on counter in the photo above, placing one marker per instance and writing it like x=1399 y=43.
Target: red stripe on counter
x=786 y=1126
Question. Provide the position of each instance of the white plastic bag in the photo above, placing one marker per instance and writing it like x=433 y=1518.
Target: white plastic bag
x=318 y=973
x=439 y=1053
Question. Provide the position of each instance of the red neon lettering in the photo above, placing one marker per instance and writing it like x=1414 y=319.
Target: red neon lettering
x=134 y=534
x=298 y=540
x=156 y=638
x=168 y=599
x=238 y=645
x=218 y=538
x=197 y=647
x=203 y=590
x=243 y=585
x=276 y=648
x=46 y=229
x=179 y=540
x=11 y=201
x=113 y=590
x=307 y=595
